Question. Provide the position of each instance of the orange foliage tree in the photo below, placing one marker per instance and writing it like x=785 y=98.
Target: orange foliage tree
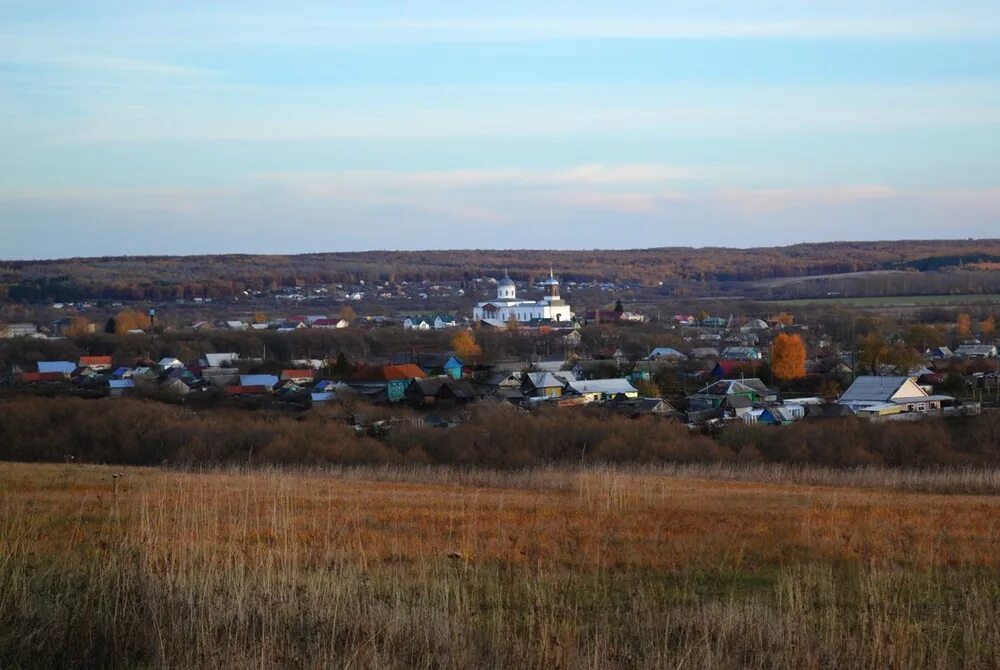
x=785 y=319
x=130 y=319
x=465 y=345
x=788 y=360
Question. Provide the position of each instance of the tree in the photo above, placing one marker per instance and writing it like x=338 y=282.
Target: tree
x=924 y=336
x=111 y=327
x=788 y=360
x=78 y=326
x=619 y=307
x=903 y=358
x=130 y=319
x=348 y=314
x=964 y=326
x=872 y=351
x=465 y=345
x=785 y=319
x=513 y=325
x=987 y=328
x=341 y=367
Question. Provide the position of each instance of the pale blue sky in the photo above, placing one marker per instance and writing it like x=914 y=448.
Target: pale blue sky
x=191 y=127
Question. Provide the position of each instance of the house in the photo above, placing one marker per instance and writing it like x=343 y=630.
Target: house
x=939 y=353
x=331 y=323
x=543 y=385
x=435 y=390
x=602 y=389
x=440 y=364
x=754 y=325
x=776 y=415
x=667 y=354
x=175 y=386
x=221 y=360
x=268 y=382
x=445 y=321
x=417 y=323
x=715 y=322
x=64 y=368
x=169 y=362
x=704 y=352
x=716 y=394
x=637 y=407
x=96 y=363
x=392 y=379
x=742 y=354
x=19 y=330
x=297 y=376
x=685 y=319
x=236 y=325
x=873 y=397
x=120 y=387
x=976 y=351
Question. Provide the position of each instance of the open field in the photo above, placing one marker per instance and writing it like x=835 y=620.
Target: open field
x=892 y=301
x=697 y=566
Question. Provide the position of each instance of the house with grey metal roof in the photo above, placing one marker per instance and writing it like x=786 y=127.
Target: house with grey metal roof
x=602 y=389
x=976 y=351
x=543 y=384
x=878 y=396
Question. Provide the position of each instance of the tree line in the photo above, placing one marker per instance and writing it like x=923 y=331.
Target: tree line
x=138 y=432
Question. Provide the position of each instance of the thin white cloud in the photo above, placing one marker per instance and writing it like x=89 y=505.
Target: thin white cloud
x=102 y=63
x=322 y=183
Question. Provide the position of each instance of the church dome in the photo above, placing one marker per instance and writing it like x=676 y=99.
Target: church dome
x=506 y=280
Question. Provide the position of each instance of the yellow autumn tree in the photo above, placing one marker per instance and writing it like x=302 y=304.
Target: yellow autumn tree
x=348 y=314
x=465 y=345
x=788 y=360
x=964 y=326
x=513 y=325
x=130 y=319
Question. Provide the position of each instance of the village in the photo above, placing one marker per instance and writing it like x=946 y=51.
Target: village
x=706 y=372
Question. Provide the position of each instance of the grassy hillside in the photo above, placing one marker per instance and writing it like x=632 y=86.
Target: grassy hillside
x=704 y=567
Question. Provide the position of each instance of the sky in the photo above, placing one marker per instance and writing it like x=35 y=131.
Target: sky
x=194 y=128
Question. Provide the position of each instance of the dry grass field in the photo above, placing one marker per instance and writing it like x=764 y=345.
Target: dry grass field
x=694 y=567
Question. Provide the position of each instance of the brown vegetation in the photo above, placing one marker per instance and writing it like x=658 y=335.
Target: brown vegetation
x=581 y=568
x=139 y=432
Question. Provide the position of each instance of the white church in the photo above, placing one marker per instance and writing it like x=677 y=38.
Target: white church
x=507 y=306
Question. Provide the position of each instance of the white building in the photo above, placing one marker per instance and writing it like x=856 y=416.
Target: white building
x=507 y=306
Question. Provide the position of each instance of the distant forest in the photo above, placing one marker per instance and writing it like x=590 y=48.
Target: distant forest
x=674 y=268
